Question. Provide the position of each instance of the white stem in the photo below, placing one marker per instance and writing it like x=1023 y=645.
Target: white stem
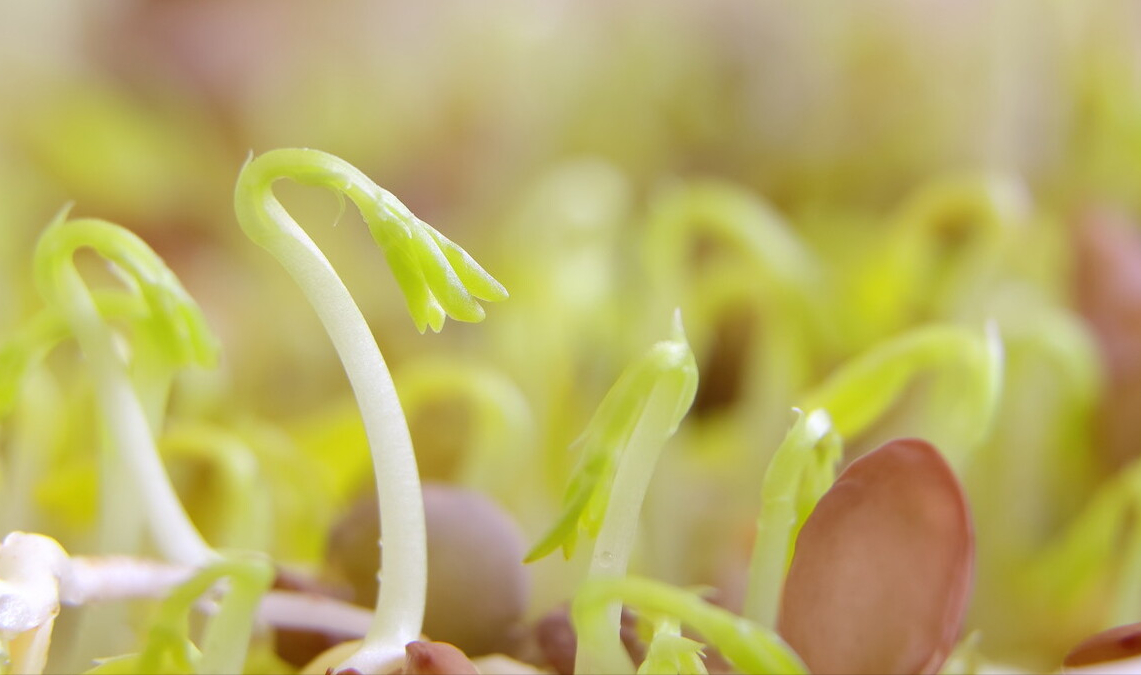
x=96 y=579
x=400 y=601
x=88 y=579
x=128 y=426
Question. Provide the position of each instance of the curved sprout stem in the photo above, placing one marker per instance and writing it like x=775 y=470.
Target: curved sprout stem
x=126 y=419
x=861 y=390
x=809 y=448
x=437 y=278
x=748 y=646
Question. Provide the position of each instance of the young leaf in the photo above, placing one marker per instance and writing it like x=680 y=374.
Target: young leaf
x=670 y=652
x=659 y=386
x=169 y=648
x=882 y=571
x=438 y=278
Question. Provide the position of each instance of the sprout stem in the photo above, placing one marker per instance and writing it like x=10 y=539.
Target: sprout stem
x=127 y=423
x=437 y=278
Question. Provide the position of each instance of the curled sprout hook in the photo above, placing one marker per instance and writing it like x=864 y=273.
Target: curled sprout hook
x=861 y=390
x=439 y=279
x=179 y=327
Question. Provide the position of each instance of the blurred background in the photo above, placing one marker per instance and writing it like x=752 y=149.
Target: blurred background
x=142 y=113
x=529 y=132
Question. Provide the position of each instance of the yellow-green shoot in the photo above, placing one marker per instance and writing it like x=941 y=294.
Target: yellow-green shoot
x=439 y=279
x=620 y=447
x=173 y=325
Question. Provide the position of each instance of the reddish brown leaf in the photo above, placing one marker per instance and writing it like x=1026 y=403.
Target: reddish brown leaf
x=882 y=571
x=1115 y=644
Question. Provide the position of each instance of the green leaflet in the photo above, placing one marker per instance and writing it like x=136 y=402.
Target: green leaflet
x=437 y=277
x=669 y=365
x=172 y=315
x=168 y=647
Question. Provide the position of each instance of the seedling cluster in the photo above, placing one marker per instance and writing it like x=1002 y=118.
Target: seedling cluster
x=794 y=491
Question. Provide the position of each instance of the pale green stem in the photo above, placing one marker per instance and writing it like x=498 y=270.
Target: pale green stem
x=618 y=533
x=227 y=636
x=858 y=393
x=749 y=647
x=245 y=502
x=778 y=518
x=401 y=597
x=502 y=435
x=126 y=420
x=35 y=432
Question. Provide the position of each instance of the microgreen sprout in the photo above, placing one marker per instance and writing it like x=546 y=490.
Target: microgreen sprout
x=946 y=239
x=1088 y=550
x=636 y=416
x=34 y=339
x=741 y=222
x=438 y=279
x=173 y=326
x=501 y=433
x=701 y=239
x=244 y=506
x=619 y=449
x=749 y=647
x=802 y=468
x=864 y=388
x=168 y=648
x=671 y=652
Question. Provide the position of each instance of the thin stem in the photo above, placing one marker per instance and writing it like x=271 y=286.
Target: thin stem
x=400 y=600
x=749 y=647
x=437 y=278
x=126 y=419
x=777 y=524
x=617 y=535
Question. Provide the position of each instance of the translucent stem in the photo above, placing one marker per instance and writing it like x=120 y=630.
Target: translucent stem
x=127 y=423
x=617 y=535
x=777 y=521
x=749 y=647
x=400 y=600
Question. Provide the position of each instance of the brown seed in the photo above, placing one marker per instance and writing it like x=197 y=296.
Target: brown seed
x=556 y=641
x=436 y=658
x=298 y=647
x=478 y=588
x=882 y=570
x=1115 y=644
